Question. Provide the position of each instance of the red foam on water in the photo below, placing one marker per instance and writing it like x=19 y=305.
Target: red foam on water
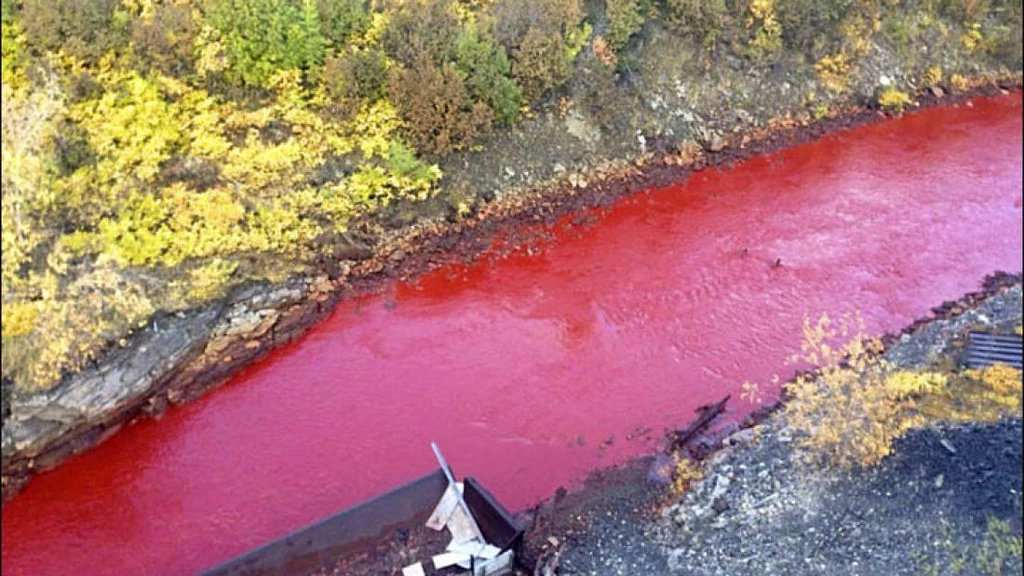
x=534 y=370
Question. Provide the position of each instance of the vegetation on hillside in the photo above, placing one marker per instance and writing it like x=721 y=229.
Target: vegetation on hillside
x=850 y=411
x=157 y=153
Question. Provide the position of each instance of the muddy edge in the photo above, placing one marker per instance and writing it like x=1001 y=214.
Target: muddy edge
x=518 y=219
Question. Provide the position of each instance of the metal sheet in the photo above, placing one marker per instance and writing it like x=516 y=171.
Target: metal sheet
x=326 y=541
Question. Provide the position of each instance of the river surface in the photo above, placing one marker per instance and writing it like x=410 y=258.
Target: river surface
x=533 y=370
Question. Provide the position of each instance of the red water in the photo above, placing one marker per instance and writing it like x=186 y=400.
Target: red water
x=522 y=368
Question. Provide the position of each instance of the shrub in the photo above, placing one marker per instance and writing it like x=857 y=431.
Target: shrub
x=767 y=36
x=542 y=37
x=604 y=52
x=402 y=162
x=893 y=100
x=164 y=40
x=850 y=413
x=66 y=334
x=834 y=72
x=702 y=20
x=261 y=37
x=422 y=29
x=342 y=19
x=30 y=125
x=964 y=11
x=355 y=76
x=625 y=18
x=540 y=63
x=685 y=473
x=983 y=395
x=82 y=28
x=486 y=69
x=131 y=126
x=440 y=116
x=13 y=55
x=812 y=26
x=959 y=83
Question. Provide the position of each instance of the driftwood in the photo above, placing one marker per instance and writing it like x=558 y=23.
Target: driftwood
x=707 y=413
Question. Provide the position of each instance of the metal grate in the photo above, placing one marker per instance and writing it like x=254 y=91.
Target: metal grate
x=985 y=349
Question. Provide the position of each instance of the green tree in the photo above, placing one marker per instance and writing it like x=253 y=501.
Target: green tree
x=487 y=71
x=625 y=18
x=261 y=37
x=342 y=19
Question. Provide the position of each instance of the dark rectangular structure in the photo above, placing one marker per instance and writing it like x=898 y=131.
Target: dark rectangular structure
x=320 y=544
x=985 y=349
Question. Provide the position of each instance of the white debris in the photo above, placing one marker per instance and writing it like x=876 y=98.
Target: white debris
x=443 y=511
x=463 y=527
x=468 y=548
x=475 y=548
x=498 y=565
x=446 y=559
x=414 y=570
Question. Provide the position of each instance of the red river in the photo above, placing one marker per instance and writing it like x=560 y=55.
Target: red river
x=533 y=370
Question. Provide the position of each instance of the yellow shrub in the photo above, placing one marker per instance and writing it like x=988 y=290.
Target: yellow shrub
x=19 y=318
x=131 y=126
x=972 y=38
x=959 y=83
x=30 y=123
x=857 y=32
x=67 y=333
x=933 y=75
x=686 y=473
x=834 y=72
x=858 y=405
x=894 y=100
x=767 y=38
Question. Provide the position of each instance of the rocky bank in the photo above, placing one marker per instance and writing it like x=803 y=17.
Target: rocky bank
x=948 y=501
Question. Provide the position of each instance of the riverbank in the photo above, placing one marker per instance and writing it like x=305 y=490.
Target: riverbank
x=947 y=499
x=180 y=356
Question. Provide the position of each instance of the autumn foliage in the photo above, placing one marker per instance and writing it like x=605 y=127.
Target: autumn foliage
x=853 y=407
x=159 y=153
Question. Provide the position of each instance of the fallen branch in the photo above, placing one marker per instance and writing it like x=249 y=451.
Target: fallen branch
x=708 y=412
